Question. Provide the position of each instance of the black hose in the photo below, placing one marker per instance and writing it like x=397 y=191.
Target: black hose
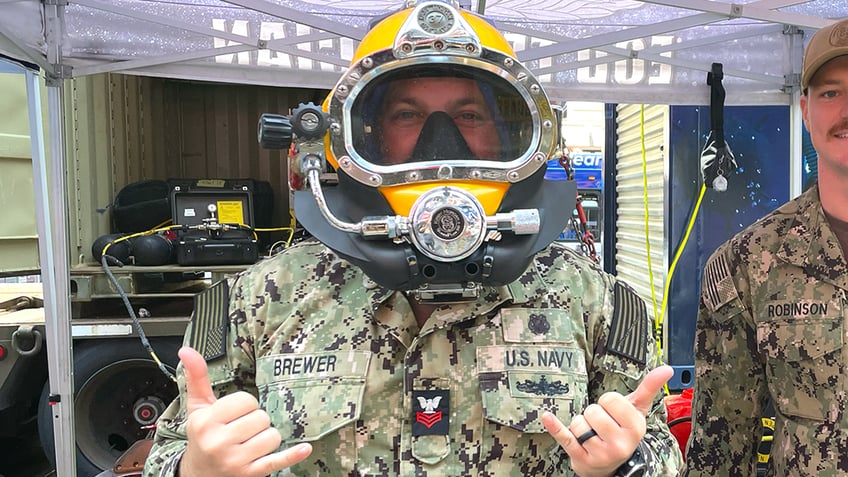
x=144 y=341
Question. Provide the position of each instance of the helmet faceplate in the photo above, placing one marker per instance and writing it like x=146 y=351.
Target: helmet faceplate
x=522 y=113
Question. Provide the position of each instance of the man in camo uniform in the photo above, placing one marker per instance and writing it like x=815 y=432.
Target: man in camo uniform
x=772 y=323
x=461 y=342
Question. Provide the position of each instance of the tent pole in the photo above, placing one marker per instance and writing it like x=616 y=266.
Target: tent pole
x=53 y=255
x=51 y=204
x=796 y=121
x=796 y=155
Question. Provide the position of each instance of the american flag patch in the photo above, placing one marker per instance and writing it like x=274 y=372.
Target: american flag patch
x=629 y=330
x=209 y=321
x=718 y=286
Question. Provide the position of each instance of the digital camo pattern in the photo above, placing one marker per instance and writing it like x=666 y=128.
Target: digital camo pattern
x=335 y=359
x=771 y=325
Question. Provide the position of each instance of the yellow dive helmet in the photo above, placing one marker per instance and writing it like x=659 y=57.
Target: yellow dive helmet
x=440 y=138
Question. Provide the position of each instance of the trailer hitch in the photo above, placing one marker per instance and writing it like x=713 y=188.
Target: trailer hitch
x=27 y=340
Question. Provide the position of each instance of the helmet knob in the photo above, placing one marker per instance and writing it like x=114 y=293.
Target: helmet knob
x=275 y=131
x=309 y=122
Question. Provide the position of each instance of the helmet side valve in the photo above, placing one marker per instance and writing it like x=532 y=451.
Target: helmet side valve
x=519 y=221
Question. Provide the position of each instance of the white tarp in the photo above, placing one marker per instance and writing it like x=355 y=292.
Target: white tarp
x=655 y=51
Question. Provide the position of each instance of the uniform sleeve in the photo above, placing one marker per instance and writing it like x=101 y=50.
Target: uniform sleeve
x=218 y=331
x=625 y=351
x=729 y=382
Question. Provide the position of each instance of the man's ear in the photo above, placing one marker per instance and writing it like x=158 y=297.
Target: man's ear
x=803 y=104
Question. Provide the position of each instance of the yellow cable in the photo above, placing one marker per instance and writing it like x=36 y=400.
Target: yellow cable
x=647 y=233
x=680 y=250
x=163 y=223
x=674 y=262
x=152 y=231
x=659 y=315
x=293 y=226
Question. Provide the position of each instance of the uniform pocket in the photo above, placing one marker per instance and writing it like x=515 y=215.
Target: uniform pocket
x=804 y=365
x=519 y=382
x=311 y=395
x=518 y=399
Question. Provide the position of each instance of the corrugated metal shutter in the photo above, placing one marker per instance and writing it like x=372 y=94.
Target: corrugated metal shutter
x=19 y=233
x=631 y=251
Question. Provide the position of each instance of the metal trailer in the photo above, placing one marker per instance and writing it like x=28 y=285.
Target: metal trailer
x=117 y=388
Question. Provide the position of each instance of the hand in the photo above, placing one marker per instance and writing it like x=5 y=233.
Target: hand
x=619 y=422
x=228 y=436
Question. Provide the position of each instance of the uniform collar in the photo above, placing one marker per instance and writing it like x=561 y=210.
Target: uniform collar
x=526 y=289
x=810 y=243
x=402 y=324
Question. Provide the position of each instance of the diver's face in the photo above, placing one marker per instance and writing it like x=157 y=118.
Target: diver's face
x=409 y=102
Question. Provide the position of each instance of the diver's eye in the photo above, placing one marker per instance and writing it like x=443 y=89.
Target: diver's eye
x=405 y=118
x=470 y=118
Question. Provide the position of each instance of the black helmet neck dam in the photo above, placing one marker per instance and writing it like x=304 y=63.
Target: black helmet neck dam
x=440 y=139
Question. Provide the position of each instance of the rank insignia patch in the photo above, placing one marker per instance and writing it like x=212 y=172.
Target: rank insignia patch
x=538 y=324
x=430 y=412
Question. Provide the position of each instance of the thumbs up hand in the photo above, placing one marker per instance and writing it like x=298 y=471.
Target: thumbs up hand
x=228 y=436
x=618 y=423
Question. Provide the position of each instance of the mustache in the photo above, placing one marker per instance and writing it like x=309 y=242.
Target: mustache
x=842 y=126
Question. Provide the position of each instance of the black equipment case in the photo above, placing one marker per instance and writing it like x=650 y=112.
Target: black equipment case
x=217 y=219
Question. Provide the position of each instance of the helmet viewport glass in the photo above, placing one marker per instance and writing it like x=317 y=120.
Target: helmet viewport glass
x=440 y=113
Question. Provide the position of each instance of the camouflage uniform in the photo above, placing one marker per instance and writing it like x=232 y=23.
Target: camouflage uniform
x=340 y=362
x=772 y=326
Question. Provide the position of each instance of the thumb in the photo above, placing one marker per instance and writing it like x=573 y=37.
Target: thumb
x=643 y=397
x=198 y=387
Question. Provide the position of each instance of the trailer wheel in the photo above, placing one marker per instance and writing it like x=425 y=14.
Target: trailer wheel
x=118 y=390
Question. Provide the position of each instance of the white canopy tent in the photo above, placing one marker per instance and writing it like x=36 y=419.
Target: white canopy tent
x=615 y=51
x=612 y=51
